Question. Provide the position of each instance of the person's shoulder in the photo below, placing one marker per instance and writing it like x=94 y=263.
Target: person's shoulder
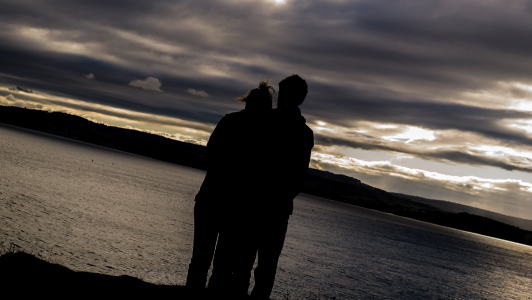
x=231 y=117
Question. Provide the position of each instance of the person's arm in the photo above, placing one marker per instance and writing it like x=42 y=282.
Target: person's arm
x=302 y=161
x=216 y=150
x=295 y=166
x=215 y=181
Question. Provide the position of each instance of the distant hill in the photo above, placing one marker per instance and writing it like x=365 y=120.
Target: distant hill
x=459 y=208
x=350 y=190
x=318 y=183
x=127 y=140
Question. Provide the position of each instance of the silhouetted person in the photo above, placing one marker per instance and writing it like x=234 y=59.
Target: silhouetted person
x=230 y=152
x=284 y=159
x=292 y=143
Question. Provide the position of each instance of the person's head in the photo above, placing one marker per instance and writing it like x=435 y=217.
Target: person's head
x=259 y=98
x=292 y=91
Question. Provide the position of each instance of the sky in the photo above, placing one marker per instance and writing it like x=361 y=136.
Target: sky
x=430 y=98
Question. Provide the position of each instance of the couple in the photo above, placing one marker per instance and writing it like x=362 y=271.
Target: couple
x=257 y=162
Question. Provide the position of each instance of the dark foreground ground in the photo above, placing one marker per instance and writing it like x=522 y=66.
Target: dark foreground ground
x=24 y=276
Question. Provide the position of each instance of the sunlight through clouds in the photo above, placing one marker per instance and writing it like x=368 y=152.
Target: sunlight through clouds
x=500 y=151
x=521 y=104
x=410 y=134
x=386 y=168
x=174 y=128
x=524 y=124
x=385 y=126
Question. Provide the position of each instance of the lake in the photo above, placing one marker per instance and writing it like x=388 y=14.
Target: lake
x=99 y=210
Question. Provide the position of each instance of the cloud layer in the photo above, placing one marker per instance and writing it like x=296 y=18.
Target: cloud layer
x=444 y=81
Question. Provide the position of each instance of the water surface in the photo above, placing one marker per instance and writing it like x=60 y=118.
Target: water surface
x=100 y=210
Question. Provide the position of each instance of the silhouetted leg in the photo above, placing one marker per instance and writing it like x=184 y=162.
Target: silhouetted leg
x=242 y=273
x=206 y=229
x=235 y=254
x=222 y=266
x=245 y=257
x=272 y=235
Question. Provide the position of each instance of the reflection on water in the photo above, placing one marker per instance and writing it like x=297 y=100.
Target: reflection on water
x=97 y=210
x=361 y=253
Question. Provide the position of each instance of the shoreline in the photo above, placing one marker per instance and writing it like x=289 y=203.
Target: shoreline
x=334 y=187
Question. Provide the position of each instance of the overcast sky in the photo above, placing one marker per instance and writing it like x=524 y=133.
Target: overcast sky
x=423 y=97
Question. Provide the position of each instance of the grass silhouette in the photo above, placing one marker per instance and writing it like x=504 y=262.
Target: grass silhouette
x=27 y=276
x=30 y=276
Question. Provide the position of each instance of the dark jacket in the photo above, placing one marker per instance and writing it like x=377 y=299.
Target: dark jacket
x=257 y=162
x=291 y=144
x=234 y=152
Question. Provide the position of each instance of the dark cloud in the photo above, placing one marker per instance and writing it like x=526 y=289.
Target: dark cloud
x=425 y=114
x=150 y=83
x=456 y=155
x=197 y=93
x=398 y=62
x=23 y=89
x=63 y=74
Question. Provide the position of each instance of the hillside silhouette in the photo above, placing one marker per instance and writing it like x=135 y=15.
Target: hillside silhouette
x=460 y=208
x=318 y=183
